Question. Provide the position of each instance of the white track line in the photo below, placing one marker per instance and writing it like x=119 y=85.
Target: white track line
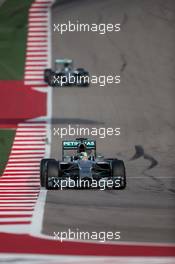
x=7 y=172
x=17 y=163
x=37 y=142
x=29 y=144
x=34 y=147
x=26 y=156
x=17 y=206
x=18 y=195
x=33 y=34
x=34 y=82
x=31 y=129
x=37 y=220
x=17 y=199
x=31 y=58
x=30 y=141
x=18 y=191
x=32 y=125
x=27 y=151
x=41 y=4
x=21 y=172
x=15 y=213
x=34 y=73
x=20 y=229
x=38 y=19
x=20 y=168
x=30 y=133
x=34 y=63
x=34 y=77
x=33 y=8
x=30 y=205
x=38 y=24
x=21 y=160
x=35 y=67
x=65 y=259
x=15 y=219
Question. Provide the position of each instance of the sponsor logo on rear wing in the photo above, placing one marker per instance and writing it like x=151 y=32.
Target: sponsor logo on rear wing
x=69 y=144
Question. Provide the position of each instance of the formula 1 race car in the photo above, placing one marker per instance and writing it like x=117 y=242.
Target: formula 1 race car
x=65 y=75
x=82 y=168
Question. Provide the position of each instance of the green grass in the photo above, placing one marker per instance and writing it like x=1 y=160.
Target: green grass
x=6 y=141
x=13 y=33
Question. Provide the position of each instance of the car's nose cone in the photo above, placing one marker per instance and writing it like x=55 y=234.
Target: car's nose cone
x=85 y=168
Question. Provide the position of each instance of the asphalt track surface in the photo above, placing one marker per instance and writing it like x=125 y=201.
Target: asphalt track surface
x=142 y=105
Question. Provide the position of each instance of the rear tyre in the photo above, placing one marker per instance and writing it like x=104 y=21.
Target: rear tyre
x=80 y=70
x=43 y=171
x=47 y=73
x=118 y=170
x=85 y=83
x=82 y=77
x=52 y=171
x=51 y=80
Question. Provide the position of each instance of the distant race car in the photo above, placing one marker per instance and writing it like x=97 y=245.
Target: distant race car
x=65 y=75
x=82 y=168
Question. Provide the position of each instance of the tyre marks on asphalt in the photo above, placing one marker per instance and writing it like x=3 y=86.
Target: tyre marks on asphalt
x=140 y=152
x=124 y=63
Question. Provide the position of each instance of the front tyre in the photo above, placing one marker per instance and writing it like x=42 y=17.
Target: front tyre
x=119 y=172
x=47 y=73
x=82 y=77
x=52 y=173
x=43 y=171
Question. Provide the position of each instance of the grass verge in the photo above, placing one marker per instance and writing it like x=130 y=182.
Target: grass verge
x=13 y=32
x=6 y=141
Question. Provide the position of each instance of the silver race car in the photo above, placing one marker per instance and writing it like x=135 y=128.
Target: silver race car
x=64 y=74
x=81 y=168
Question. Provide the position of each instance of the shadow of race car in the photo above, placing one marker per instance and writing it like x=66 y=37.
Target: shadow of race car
x=81 y=168
x=65 y=75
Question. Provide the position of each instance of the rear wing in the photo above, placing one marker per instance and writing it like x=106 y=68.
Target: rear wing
x=62 y=61
x=73 y=144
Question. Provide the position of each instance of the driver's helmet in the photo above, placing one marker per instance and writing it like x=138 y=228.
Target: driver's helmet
x=81 y=148
x=66 y=66
x=83 y=156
